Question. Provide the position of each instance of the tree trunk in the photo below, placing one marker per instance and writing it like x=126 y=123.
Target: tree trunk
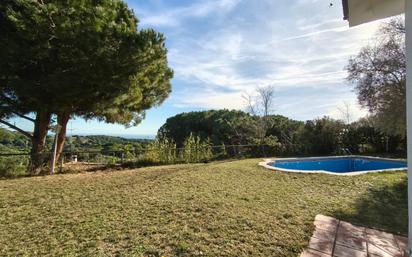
x=41 y=127
x=62 y=120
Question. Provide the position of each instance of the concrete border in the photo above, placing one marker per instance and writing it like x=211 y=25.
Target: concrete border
x=267 y=164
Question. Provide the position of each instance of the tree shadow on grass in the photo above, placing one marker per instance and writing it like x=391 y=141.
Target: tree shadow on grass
x=384 y=207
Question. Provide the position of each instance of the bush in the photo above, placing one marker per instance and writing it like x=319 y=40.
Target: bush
x=222 y=153
x=13 y=166
x=164 y=151
x=161 y=151
x=196 y=150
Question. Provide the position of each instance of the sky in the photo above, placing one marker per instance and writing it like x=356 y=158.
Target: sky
x=222 y=49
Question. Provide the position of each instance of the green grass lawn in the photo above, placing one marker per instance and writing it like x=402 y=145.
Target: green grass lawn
x=217 y=209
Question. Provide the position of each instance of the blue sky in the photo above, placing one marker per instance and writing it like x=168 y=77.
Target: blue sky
x=220 y=49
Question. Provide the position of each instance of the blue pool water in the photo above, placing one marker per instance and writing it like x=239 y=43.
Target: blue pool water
x=339 y=165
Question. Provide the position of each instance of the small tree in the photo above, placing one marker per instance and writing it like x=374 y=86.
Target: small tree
x=321 y=136
x=379 y=75
x=261 y=103
x=261 y=106
x=196 y=150
x=161 y=151
x=188 y=151
x=345 y=111
x=222 y=151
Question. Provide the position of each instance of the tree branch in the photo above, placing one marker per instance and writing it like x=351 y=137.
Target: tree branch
x=9 y=109
x=24 y=116
x=27 y=134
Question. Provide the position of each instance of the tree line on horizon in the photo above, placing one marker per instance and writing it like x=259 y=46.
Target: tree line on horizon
x=320 y=136
x=14 y=142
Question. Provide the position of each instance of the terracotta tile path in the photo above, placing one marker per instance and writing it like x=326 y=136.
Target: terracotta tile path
x=337 y=238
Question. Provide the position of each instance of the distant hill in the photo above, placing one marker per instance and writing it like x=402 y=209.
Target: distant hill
x=11 y=141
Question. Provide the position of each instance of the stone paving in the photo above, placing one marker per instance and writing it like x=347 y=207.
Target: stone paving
x=335 y=238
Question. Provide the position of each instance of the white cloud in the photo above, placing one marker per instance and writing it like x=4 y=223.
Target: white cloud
x=212 y=100
x=304 y=48
x=175 y=16
x=306 y=25
x=317 y=32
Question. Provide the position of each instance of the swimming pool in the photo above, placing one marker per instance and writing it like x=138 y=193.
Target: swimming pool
x=338 y=165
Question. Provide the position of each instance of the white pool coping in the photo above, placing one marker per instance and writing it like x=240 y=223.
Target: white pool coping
x=266 y=164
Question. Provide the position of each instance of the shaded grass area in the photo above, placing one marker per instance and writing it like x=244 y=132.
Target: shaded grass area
x=384 y=207
x=216 y=209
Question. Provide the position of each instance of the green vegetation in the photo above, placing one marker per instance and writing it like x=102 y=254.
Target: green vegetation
x=219 y=126
x=161 y=151
x=13 y=166
x=195 y=150
x=215 y=209
x=211 y=135
x=104 y=143
x=89 y=59
x=378 y=73
x=13 y=142
x=323 y=136
x=103 y=149
x=164 y=151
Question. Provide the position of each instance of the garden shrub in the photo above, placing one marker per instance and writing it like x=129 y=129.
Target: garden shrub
x=196 y=150
x=13 y=166
x=161 y=151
